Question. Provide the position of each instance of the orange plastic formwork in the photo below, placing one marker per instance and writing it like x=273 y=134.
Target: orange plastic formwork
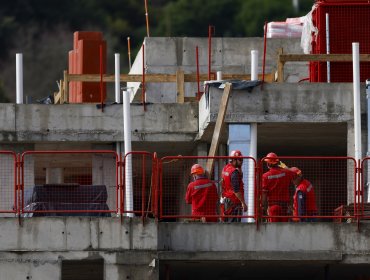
x=348 y=23
x=88 y=62
x=86 y=35
x=85 y=59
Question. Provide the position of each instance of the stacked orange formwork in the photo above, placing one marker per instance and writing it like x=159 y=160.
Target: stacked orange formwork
x=85 y=59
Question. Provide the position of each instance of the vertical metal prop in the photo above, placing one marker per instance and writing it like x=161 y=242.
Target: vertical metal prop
x=146 y=18
x=143 y=81
x=129 y=52
x=210 y=30
x=264 y=53
x=101 y=76
x=198 y=79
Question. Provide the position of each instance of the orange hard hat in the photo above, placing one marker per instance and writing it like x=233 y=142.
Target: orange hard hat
x=197 y=169
x=296 y=170
x=271 y=158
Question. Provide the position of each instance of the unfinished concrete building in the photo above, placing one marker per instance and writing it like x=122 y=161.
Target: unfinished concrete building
x=72 y=152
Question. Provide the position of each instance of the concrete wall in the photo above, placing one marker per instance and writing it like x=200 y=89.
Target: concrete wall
x=230 y=55
x=38 y=247
x=84 y=122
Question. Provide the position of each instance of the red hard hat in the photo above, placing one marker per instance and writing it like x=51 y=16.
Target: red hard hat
x=271 y=158
x=236 y=153
x=197 y=169
x=296 y=170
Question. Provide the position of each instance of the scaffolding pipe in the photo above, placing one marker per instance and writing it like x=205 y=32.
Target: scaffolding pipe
x=19 y=77
x=327 y=47
x=117 y=78
x=129 y=204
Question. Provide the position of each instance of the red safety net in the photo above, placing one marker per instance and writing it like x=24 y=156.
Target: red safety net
x=327 y=185
x=364 y=189
x=139 y=184
x=348 y=22
x=59 y=183
x=8 y=183
x=183 y=198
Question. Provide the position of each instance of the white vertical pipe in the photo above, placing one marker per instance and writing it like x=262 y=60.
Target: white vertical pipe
x=117 y=77
x=251 y=171
x=356 y=99
x=19 y=77
x=253 y=144
x=254 y=65
x=129 y=205
x=327 y=47
x=219 y=75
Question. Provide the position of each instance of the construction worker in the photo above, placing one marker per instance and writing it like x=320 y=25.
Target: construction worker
x=202 y=195
x=232 y=199
x=275 y=188
x=304 y=201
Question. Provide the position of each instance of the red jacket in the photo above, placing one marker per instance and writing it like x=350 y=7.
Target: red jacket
x=227 y=188
x=275 y=183
x=203 y=197
x=309 y=198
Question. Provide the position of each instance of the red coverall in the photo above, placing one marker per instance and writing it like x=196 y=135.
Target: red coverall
x=203 y=197
x=227 y=188
x=304 y=200
x=275 y=184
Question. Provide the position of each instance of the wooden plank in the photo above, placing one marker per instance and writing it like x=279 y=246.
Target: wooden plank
x=321 y=57
x=180 y=86
x=280 y=70
x=218 y=127
x=190 y=99
x=150 y=78
x=154 y=78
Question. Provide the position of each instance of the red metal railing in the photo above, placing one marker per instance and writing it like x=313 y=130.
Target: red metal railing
x=174 y=177
x=139 y=185
x=333 y=180
x=65 y=182
x=159 y=186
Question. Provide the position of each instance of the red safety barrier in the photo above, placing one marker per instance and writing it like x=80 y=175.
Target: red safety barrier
x=140 y=184
x=348 y=23
x=329 y=184
x=8 y=182
x=73 y=183
x=200 y=200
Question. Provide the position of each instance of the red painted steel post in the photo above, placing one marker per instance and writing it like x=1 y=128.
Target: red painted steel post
x=143 y=81
x=264 y=53
x=101 y=76
x=198 y=78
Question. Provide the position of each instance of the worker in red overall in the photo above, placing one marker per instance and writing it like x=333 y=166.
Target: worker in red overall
x=304 y=200
x=232 y=199
x=202 y=195
x=275 y=189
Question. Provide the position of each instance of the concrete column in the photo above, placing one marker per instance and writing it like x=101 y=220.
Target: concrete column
x=104 y=173
x=54 y=175
x=240 y=139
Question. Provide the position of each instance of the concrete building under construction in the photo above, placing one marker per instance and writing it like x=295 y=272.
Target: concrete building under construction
x=80 y=202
